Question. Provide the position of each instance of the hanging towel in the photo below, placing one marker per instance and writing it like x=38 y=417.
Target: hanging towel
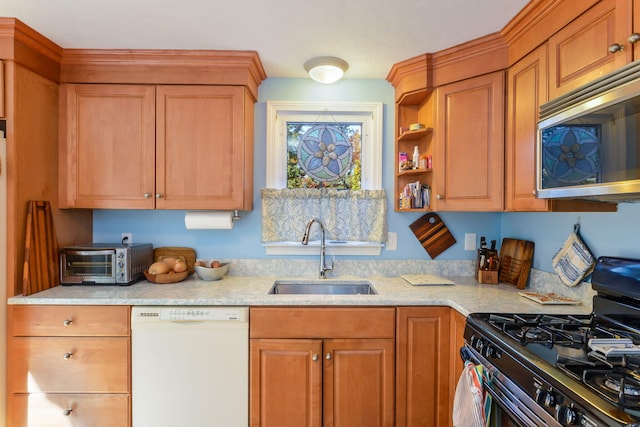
x=573 y=262
x=469 y=401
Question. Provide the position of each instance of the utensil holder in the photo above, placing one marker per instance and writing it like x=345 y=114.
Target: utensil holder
x=489 y=277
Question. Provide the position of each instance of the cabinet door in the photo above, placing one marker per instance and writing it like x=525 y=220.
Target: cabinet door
x=469 y=160
x=358 y=382
x=423 y=368
x=55 y=410
x=285 y=389
x=201 y=149
x=107 y=154
x=580 y=53
x=3 y=112
x=527 y=90
x=69 y=365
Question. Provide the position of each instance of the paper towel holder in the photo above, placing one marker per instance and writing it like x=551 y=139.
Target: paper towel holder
x=210 y=220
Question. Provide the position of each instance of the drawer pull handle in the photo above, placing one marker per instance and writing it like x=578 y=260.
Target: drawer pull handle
x=67 y=322
x=67 y=412
x=67 y=356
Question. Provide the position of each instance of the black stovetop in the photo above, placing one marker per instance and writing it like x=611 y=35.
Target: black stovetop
x=561 y=347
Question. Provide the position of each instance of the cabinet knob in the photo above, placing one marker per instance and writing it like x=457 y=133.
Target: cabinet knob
x=147 y=195
x=534 y=192
x=67 y=356
x=439 y=197
x=67 y=322
x=314 y=357
x=616 y=48
x=158 y=196
x=328 y=356
x=67 y=412
x=634 y=38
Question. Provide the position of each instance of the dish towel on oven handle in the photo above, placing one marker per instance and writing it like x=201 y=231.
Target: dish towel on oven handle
x=471 y=405
x=574 y=261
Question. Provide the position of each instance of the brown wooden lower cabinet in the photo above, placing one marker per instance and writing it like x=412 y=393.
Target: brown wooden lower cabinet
x=53 y=410
x=69 y=365
x=329 y=380
x=423 y=367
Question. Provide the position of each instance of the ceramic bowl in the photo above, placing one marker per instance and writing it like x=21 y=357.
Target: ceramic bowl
x=211 y=274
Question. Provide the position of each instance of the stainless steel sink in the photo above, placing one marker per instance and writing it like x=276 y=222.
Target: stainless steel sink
x=324 y=287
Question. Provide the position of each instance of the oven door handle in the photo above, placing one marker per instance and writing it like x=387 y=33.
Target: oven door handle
x=514 y=412
x=506 y=401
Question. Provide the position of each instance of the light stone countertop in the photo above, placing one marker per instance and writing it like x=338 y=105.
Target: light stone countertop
x=466 y=296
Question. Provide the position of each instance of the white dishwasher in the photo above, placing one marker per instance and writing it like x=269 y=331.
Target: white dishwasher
x=190 y=366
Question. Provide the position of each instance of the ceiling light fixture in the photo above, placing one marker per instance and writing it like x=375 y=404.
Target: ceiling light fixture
x=326 y=69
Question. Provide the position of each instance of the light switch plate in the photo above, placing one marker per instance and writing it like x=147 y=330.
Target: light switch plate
x=392 y=241
x=469 y=241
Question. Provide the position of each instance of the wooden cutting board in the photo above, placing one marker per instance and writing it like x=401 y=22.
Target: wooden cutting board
x=433 y=234
x=516 y=257
x=41 y=256
x=189 y=254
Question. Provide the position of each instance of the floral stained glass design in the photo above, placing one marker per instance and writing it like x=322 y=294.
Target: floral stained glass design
x=324 y=155
x=570 y=155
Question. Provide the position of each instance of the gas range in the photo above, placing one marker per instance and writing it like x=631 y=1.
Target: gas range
x=564 y=370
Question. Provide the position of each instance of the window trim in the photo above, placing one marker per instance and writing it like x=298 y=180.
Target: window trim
x=371 y=115
x=279 y=112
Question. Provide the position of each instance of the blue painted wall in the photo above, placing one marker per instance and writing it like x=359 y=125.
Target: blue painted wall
x=607 y=234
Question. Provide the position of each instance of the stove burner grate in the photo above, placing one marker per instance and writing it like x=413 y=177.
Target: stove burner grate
x=617 y=387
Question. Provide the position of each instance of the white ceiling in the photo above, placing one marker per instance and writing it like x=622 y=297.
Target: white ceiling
x=371 y=35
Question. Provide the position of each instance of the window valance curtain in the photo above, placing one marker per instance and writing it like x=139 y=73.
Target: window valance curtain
x=351 y=215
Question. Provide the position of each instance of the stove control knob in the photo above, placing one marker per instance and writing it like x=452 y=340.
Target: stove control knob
x=566 y=415
x=545 y=397
x=479 y=344
x=490 y=352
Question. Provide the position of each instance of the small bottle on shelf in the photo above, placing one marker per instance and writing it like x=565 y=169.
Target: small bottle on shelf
x=416 y=157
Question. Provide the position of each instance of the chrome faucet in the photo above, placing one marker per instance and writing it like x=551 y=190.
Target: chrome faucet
x=305 y=241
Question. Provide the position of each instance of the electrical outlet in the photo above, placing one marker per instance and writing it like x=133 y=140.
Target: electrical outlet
x=126 y=238
x=469 y=241
x=392 y=241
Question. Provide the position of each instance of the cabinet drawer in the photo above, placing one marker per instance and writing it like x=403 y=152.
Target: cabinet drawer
x=69 y=320
x=96 y=410
x=69 y=365
x=325 y=322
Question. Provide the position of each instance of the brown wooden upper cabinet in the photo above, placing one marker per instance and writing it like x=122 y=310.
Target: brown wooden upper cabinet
x=597 y=42
x=162 y=147
x=468 y=160
x=3 y=112
x=527 y=90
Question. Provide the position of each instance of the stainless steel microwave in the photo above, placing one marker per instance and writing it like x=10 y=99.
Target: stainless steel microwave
x=588 y=143
x=104 y=263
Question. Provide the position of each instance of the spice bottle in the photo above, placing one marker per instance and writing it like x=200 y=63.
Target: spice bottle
x=416 y=157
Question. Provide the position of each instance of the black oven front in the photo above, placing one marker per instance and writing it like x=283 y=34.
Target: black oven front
x=526 y=390
x=509 y=405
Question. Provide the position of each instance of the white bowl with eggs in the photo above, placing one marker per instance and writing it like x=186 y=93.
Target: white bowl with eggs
x=211 y=271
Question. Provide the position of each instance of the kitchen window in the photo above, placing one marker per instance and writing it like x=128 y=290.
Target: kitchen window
x=324 y=158
x=368 y=115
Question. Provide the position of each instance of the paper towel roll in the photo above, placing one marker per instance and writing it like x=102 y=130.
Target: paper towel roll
x=208 y=220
